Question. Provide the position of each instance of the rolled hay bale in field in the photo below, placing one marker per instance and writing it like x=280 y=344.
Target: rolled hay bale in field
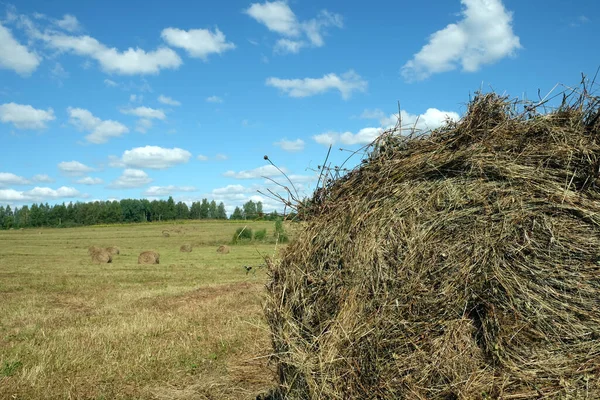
x=149 y=257
x=185 y=248
x=165 y=233
x=463 y=264
x=223 y=249
x=101 y=257
x=94 y=249
x=114 y=250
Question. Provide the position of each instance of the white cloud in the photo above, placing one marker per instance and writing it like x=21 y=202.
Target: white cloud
x=15 y=56
x=202 y=157
x=168 y=100
x=483 y=36
x=167 y=190
x=25 y=116
x=431 y=119
x=131 y=178
x=145 y=112
x=45 y=192
x=291 y=145
x=278 y=17
x=264 y=171
x=69 y=23
x=346 y=84
x=88 y=180
x=198 y=43
x=221 y=157
x=143 y=125
x=214 y=99
x=7 y=195
x=129 y=62
x=284 y=46
x=110 y=83
x=100 y=131
x=230 y=189
x=155 y=157
x=314 y=28
x=8 y=178
x=74 y=168
x=37 y=194
x=42 y=178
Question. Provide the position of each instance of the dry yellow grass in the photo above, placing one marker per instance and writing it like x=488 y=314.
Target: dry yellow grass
x=189 y=328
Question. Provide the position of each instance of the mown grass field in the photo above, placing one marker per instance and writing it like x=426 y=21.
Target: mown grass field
x=189 y=328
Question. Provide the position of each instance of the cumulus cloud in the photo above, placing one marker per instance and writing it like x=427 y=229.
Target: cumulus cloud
x=290 y=145
x=88 y=180
x=214 y=99
x=230 y=189
x=278 y=17
x=45 y=192
x=167 y=100
x=129 y=62
x=42 y=178
x=100 y=131
x=24 y=116
x=345 y=84
x=202 y=157
x=431 y=119
x=15 y=56
x=198 y=43
x=69 y=23
x=74 y=168
x=8 y=178
x=155 y=157
x=284 y=46
x=131 y=178
x=483 y=36
x=145 y=112
x=167 y=190
x=37 y=194
x=260 y=172
x=9 y=195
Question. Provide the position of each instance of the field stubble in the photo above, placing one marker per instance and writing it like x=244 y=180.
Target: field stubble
x=189 y=328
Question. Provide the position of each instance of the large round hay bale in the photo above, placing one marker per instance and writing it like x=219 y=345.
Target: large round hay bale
x=114 y=250
x=148 y=257
x=185 y=248
x=458 y=265
x=223 y=249
x=101 y=256
x=165 y=234
x=94 y=249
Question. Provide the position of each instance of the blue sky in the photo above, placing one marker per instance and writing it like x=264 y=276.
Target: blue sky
x=146 y=99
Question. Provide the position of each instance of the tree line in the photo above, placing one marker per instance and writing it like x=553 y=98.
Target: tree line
x=123 y=211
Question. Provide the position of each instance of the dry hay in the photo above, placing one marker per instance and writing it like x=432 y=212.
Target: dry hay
x=114 y=250
x=458 y=265
x=94 y=249
x=185 y=248
x=101 y=256
x=165 y=233
x=223 y=249
x=149 y=257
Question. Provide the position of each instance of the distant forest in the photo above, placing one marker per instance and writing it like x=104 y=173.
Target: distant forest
x=124 y=211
